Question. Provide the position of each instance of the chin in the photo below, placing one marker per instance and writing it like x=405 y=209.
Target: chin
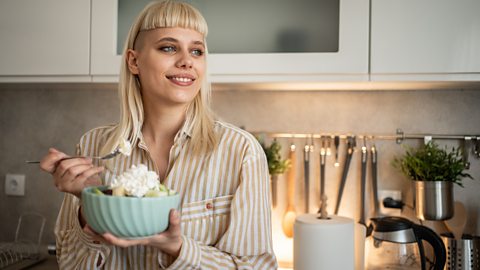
x=184 y=98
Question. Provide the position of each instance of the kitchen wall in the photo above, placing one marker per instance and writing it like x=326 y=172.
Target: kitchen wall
x=34 y=117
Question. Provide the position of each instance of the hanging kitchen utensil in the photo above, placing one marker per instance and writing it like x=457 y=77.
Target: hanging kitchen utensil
x=467 y=143
x=363 y=183
x=329 y=148
x=306 y=173
x=348 y=158
x=476 y=148
x=273 y=184
x=376 y=203
x=323 y=196
x=336 y=142
x=289 y=217
x=457 y=223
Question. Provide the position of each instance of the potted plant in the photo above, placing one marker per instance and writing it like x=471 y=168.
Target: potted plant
x=434 y=170
x=276 y=165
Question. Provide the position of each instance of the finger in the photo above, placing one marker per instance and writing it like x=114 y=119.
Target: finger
x=76 y=171
x=112 y=239
x=90 y=177
x=62 y=182
x=88 y=230
x=50 y=161
x=65 y=165
x=96 y=236
x=174 y=223
x=53 y=150
x=94 y=180
x=82 y=180
x=73 y=177
x=92 y=173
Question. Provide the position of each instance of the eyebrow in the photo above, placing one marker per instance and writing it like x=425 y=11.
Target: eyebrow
x=174 y=40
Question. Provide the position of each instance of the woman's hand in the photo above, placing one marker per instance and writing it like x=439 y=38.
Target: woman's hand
x=169 y=241
x=71 y=175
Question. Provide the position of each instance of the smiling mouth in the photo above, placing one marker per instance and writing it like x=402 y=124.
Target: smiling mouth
x=181 y=79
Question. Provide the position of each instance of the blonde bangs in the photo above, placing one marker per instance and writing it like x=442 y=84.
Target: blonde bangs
x=173 y=14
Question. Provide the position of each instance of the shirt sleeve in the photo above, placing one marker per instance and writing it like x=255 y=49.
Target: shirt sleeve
x=75 y=248
x=247 y=243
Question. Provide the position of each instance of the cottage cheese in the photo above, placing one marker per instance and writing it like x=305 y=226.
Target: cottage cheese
x=137 y=181
x=125 y=147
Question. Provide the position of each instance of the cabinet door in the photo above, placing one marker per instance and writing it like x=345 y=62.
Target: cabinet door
x=348 y=61
x=425 y=40
x=293 y=23
x=44 y=37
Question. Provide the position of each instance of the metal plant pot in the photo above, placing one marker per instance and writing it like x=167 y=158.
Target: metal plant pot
x=434 y=200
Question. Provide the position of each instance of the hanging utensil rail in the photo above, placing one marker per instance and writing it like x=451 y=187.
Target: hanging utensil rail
x=399 y=137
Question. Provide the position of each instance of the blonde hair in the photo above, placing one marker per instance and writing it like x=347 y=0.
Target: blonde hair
x=157 y=15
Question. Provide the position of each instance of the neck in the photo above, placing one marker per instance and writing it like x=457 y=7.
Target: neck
x=162 y=124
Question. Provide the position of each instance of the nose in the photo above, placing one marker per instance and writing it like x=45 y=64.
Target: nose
x=184 y=60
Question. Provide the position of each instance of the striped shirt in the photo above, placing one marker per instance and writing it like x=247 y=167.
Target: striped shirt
x=225 y=213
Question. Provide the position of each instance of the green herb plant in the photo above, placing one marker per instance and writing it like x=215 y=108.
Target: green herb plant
x=432 y=163
x=276 y=165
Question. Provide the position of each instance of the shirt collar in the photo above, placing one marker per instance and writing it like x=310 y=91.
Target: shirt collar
x=188 y=125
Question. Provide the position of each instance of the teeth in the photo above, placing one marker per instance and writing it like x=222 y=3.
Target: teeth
x=181 y=79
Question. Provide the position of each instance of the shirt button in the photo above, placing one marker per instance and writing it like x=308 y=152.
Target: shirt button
x=209 y=206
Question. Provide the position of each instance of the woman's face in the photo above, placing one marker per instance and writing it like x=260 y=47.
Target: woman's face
x=170 y=63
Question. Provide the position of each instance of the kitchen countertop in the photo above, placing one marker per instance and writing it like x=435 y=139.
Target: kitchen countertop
x=50 y=263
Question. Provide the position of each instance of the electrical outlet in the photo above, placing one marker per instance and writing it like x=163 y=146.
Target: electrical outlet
x=394 y=194
x=15 y=184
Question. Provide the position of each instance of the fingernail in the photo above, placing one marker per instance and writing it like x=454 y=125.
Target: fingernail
x=175 y=213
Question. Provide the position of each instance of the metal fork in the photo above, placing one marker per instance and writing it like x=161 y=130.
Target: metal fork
x=107 y=156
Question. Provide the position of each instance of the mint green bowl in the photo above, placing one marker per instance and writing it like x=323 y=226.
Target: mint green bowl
x=127 y=217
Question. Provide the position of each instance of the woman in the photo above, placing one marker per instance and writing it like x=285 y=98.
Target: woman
x=219 y=170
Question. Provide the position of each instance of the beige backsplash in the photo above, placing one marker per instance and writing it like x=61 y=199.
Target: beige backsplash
x=37 y=116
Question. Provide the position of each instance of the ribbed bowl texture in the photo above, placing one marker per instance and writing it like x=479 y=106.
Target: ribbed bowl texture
x=127 y=217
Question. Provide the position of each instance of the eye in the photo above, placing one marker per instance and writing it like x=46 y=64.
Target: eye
x=197 y=52
x=168 y=49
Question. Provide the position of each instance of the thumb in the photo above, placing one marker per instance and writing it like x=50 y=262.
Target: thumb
x=174 y=223
x=53 y=150
x=174 y=217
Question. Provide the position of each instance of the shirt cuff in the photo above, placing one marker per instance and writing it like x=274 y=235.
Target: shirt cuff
x=189 y=257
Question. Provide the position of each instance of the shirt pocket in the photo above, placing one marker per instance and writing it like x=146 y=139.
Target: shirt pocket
x=207 y=220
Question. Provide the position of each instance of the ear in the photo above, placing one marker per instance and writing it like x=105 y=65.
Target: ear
x=131 y=59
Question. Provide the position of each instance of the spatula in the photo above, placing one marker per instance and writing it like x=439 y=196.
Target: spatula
x=348 y=159
x=306 y=171
x=457 y=223
x=290 y=214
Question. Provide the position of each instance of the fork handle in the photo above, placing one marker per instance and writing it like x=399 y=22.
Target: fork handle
x=66 y=158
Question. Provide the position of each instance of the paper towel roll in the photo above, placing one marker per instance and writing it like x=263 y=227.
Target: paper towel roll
x=323 y=243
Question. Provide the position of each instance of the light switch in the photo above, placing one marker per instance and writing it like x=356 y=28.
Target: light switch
x=15 y=184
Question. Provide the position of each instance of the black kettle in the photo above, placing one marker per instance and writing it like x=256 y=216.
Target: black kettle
x=394 y=240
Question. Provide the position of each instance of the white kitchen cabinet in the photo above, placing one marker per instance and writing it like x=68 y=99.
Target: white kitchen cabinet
x=348 y=63
x=429 y=40
x=45 y=40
